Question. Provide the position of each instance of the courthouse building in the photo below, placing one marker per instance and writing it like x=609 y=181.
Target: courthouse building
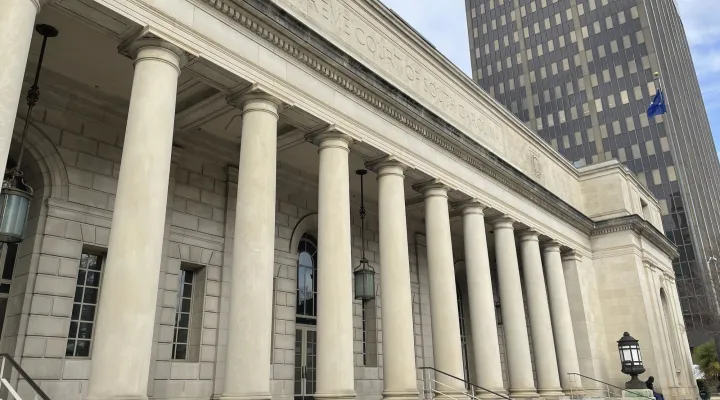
x=196 y=221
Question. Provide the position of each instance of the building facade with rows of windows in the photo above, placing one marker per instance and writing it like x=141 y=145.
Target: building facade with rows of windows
x=581 y=74
x=196 y=220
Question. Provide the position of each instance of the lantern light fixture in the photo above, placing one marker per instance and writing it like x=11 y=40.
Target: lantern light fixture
x=16 y=195
x=631 y=361
x=364 y=274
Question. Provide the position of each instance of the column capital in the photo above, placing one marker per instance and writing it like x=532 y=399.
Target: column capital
x=330 y=137
x=432 y=188
x=571 y=255
x=552 y=246
x=472 y=206
x=153 y=48
x=388 y=165
x=529 y=235
x=257 y=94
x=503 y=222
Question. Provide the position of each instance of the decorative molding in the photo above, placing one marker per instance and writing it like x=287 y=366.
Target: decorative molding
x=640 y=227
x=396 y=104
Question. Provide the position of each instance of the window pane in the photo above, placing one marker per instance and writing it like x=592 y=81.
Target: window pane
x=84 y=308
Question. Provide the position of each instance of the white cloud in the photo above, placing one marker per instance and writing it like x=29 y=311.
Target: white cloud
x=700 y=23
x=443 y=23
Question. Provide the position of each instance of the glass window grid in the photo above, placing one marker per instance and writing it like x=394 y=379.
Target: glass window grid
x=183 y=311
x=87 y=294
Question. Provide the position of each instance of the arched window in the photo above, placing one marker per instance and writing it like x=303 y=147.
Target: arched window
x=306 y=312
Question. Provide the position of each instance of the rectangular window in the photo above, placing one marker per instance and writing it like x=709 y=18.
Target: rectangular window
x=566 y=141
x=663 y=207
x=189 y=313
x=561 y=117
x=635 y=151
x=634 y=13
x=621 y=17
x=578 y=138
x=614 y=46
x=671 y=174
x=601 y=51
x=603 y=131
x=182 y=315
x=641 y=178
x=87 y=293
x=638 y=93
x=644 y=120
x=632 y=67
x=606 y=75
x=616 y=128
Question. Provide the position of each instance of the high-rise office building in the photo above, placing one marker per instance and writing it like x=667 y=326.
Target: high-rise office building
x=581 y=74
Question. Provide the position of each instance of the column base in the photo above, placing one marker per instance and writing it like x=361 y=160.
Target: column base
x=551 y=393
x=251 y=396
x=335 y=396
x=528 y=393
x=481 y=394
x=412 y=395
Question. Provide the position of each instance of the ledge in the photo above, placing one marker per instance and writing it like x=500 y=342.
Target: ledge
x=641 y=227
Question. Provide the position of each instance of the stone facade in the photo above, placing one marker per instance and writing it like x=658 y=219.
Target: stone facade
x=256 y=145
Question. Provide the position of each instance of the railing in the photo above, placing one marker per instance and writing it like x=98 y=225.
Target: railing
x=605 y=391
x=10 y=370
x=432 y=387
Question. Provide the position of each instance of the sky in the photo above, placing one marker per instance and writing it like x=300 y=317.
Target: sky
x=444 y=24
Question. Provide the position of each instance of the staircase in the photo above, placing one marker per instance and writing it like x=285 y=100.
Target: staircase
x=601 y=390
x=433 y=388
x=24 y=389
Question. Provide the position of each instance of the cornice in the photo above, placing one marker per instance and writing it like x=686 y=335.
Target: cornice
x=329 y=61
x=639 y=226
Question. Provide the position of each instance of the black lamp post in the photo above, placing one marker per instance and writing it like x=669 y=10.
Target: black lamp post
x=631 y=361
x=16 y=195
x=364 y=273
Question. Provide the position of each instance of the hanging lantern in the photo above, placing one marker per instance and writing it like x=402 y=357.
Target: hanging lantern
x=16 y=195
x=631 y=361
x=364 y=274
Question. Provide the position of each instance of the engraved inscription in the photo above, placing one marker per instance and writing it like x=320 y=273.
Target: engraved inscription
x=334 y=18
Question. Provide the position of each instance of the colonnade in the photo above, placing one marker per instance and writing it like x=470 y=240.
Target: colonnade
x=122 y=353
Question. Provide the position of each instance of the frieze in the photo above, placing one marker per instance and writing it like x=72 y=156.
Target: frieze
x=452 y=140
x=338 y=20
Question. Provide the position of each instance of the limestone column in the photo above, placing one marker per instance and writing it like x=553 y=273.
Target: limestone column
x=447 y=348
x=546 y=367
x=123 y=336
x=517 y=345
x=561 y=320
x=247 y=369
x=486 y=349
x=17 y=23
x=399 y=373
x=335 y=364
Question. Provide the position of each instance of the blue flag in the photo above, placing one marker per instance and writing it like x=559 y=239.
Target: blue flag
x=657 y=106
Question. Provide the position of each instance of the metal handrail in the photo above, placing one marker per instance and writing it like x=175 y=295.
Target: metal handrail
x=23 y=374
x=466 y=382
x=611 y=385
